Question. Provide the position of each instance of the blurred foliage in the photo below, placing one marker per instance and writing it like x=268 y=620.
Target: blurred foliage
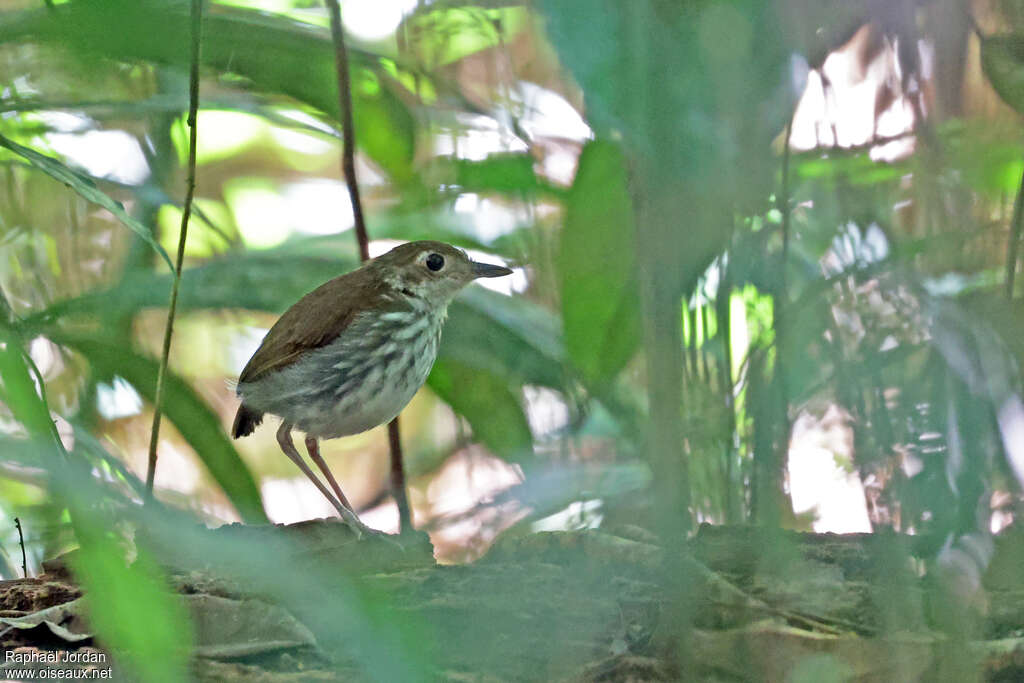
x=678 y=306
x=600 y=308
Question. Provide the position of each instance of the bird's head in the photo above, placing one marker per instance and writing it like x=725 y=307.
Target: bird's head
x=431 y=271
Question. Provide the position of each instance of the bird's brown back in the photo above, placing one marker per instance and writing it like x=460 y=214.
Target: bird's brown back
x=313 y=321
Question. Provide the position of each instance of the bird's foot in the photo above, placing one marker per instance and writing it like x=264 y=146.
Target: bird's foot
x=365 y=533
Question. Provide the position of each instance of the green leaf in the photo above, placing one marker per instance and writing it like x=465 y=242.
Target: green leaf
x=135 y=616
x=691 y=88
x=489 y=404
x=275 y=53
x=85 y=188
x=600 y=305
x=200 y=427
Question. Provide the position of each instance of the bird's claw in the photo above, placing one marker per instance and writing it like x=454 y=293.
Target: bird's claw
x=365 y=533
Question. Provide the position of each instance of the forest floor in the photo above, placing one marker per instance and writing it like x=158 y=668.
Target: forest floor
x=591 y=606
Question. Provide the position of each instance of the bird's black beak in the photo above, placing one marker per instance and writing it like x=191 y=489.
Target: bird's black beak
x=489 y=270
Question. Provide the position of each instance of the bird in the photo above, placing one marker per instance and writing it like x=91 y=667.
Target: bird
x=351 y=354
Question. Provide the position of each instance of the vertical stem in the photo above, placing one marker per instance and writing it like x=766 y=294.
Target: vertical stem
x=186 y=213
x=348 y=165
x=771 y=409
x=704 y=355
x=398 y=477
x=1014 y=243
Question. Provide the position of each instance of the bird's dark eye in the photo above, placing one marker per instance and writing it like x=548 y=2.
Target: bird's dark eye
x=435 y=262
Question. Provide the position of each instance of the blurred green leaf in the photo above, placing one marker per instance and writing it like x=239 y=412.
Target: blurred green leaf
x=691 y=87
x=511 y=173
x=596 y=262
x=136 y=617
x=19 y=391
x=200 y=427
x=84 y=187
x=275 y=53
x=488 y=403
x=132 y=610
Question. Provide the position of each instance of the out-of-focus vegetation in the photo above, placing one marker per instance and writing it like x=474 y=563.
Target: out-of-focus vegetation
x=727 y=219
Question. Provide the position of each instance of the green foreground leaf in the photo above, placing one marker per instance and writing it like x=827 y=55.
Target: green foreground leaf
x=200 y=427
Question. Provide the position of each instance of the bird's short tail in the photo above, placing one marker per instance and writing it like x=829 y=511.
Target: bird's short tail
x=246 y=421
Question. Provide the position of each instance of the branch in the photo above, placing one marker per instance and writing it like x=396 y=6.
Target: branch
x=21 y=542
x=348 y=166
x=186 y=213
x=348 y=135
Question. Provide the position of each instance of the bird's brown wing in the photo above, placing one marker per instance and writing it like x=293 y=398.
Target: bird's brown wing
x=315 y=320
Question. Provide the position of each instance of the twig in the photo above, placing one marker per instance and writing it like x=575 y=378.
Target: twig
x=348 y=165
x=21 y=541
x=1014 y=244
x=783 y=205
x=190 y=190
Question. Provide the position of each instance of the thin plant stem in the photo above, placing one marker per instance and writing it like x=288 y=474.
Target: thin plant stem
x=348 y=151
x=1013 y=245
x=186 y=213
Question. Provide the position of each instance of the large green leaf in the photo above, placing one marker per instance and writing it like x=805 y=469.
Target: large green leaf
x=506 y=335
x=596 y=262
x=1002 y=60
x=274 y=53
x=131 y=608
x=84 y=187
x=489 y=403
x=200 y=427
x=135 y=615
x=692 y=88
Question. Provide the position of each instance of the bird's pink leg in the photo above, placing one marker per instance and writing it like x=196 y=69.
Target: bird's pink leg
x=313 y=446
x=284 y=438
